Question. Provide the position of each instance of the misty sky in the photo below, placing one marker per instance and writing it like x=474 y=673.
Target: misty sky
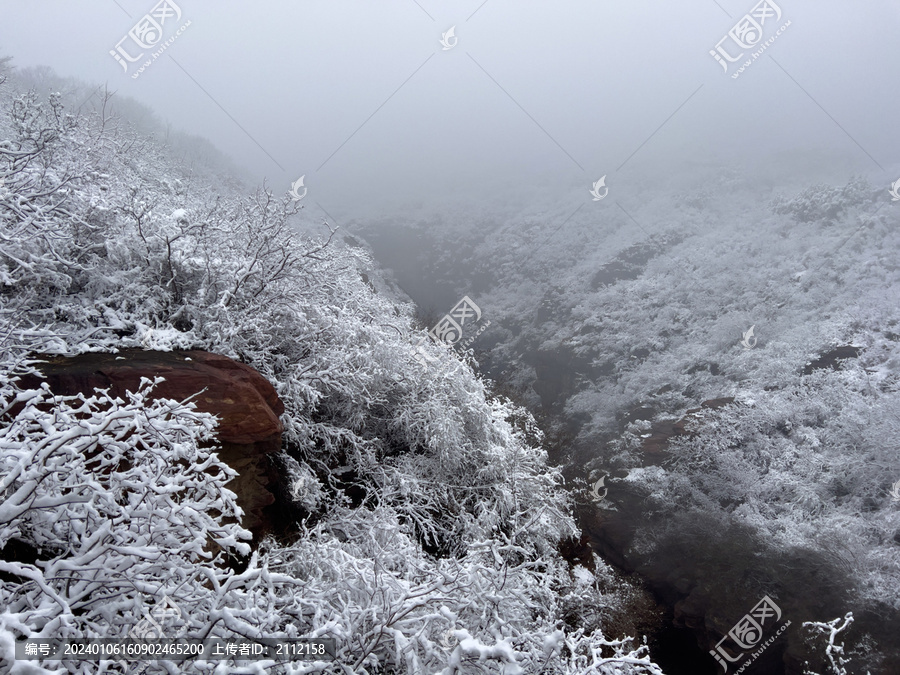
x=362 y=98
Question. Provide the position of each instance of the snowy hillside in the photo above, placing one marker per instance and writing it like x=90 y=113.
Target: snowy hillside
x=428 y=521
x=613 y=319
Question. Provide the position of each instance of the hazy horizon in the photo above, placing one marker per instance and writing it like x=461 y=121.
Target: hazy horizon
x=365 y=102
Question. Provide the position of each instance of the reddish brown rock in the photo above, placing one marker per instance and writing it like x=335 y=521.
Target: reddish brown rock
x=245 y=402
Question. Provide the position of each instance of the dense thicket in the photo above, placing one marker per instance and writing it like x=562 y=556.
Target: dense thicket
x=616 y=318
x=431 y=518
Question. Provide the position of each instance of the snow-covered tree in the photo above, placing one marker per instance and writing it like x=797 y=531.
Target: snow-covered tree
x=430 y=518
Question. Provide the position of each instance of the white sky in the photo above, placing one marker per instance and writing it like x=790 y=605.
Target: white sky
x=540 y=93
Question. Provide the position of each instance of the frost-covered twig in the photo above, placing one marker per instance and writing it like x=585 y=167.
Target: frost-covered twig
x=834 y=652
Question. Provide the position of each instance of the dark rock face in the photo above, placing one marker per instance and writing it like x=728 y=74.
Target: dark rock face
x=628 y=264
x=832 y=358
x=655 y=445
x=245 y=402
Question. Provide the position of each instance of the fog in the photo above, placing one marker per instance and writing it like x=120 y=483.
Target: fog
x=717 y=345
x=363 y=100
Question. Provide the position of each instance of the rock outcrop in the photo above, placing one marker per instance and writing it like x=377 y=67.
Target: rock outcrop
x=832 y=358
x=655 y=444
x=245 y=402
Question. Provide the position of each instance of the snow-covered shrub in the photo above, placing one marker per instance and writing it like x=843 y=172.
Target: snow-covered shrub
x=120 y=502
x=833 y=652
x=394 y=610
x=806 y=467
x=824 y=203
x=435 y=508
